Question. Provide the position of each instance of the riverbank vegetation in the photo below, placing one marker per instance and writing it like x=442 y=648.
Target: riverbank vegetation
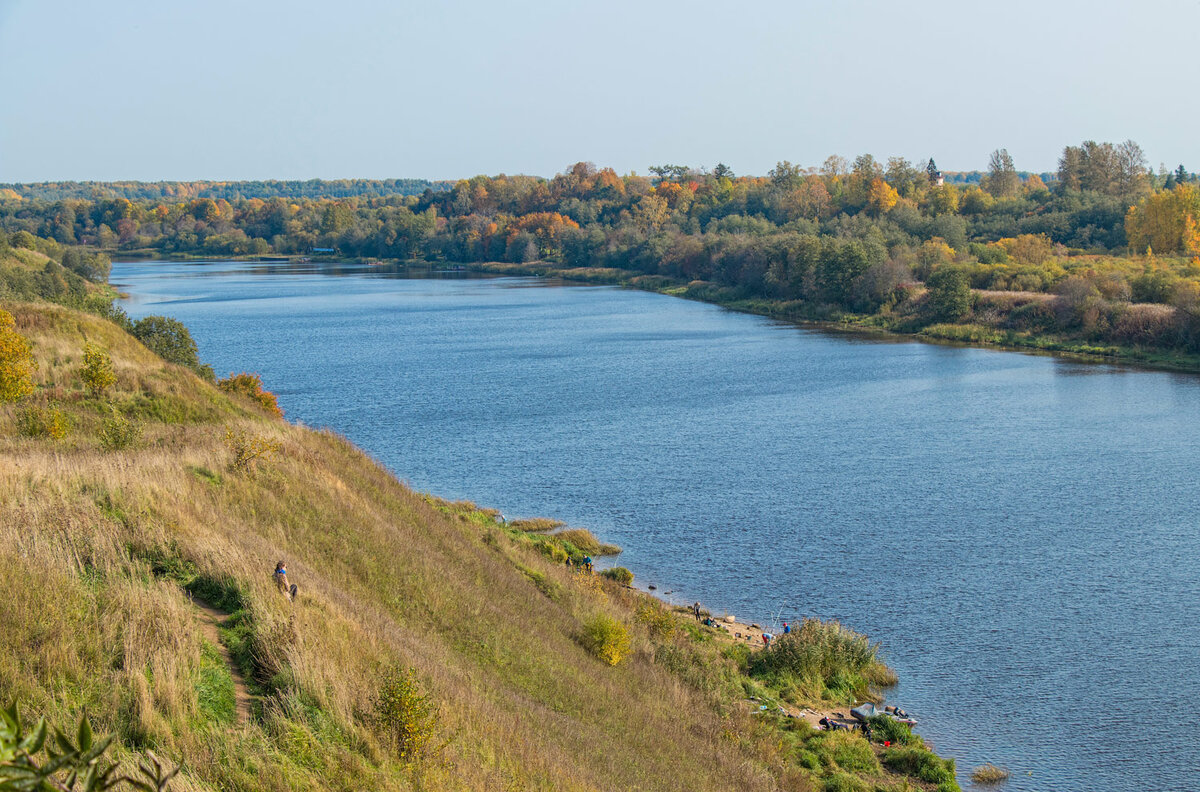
x=1100 y=257
x=432 y=645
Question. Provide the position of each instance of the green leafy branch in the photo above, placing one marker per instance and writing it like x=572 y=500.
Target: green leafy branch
x=36 y=760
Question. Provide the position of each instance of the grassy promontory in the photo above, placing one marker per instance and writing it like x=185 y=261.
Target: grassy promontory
x=432 y=646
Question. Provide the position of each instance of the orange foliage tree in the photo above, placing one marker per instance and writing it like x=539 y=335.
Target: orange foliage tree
x=250 y=386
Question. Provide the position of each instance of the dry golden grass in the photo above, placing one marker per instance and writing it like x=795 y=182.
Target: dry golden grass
x=387 y=578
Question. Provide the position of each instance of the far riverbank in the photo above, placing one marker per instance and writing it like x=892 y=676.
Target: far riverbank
x=977 y=334
x=866 y=325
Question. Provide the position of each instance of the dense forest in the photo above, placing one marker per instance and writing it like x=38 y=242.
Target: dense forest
x=228 y=190
x=1103 y=251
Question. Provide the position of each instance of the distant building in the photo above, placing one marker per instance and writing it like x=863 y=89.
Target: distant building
x=937 y=179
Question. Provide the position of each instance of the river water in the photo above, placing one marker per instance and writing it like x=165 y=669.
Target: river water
x=1019 y=532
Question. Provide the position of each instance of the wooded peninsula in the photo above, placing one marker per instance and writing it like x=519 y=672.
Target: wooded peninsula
x=1100 y=257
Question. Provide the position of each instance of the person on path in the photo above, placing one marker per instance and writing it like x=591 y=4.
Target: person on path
x=281 y=580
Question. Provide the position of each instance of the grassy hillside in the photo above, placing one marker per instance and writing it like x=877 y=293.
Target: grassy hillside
x=102 y=548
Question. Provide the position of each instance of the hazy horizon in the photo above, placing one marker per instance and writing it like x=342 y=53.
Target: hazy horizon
x=272 y=90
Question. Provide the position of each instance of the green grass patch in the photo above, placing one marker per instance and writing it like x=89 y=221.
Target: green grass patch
x=214 y=687
x=206 y=475
x=921 y=764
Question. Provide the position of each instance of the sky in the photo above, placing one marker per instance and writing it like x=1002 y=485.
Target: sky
x=262 y=89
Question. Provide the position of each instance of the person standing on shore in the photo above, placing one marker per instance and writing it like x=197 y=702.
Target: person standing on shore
x=696 y=611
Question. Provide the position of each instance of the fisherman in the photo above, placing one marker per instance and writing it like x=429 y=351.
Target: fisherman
x=587 y=563
x=696 y=611
x=786 y=628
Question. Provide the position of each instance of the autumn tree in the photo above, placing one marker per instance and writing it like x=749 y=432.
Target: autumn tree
x=1031 y=249
x=250 y=386
x=881 y=197
x=1165 y=222
x=97 y=372
x=16 y=361
x=943 y=200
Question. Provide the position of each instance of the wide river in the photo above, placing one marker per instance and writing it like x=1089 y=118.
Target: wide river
x=1020 y=533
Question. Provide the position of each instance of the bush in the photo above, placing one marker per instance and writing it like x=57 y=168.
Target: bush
x=949 y=293
x=658 y=620
x=606 y=638
x=248 y=450
x=844 y=782
x=825 y=658
x=536 y=525
x=989 y=774
x=38 y=421
x=888 y=729
x=403 y=715
x=585 y=542
x=98 y=374
x=118 y=432
x=851 y=752
x=919 y=763
x=619 y=574
x=16 y=361
x=170 y=340
x=250 y=386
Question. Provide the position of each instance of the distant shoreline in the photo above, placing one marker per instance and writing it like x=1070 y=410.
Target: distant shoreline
x=958 y=335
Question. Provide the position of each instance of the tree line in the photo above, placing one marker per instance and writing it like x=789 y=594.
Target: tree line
x=855 y=235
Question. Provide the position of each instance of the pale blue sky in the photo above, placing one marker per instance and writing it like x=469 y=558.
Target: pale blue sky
x=251 y=89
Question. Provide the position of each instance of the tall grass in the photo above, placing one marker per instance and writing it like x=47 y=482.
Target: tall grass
x=101 y=552
x=820 y=661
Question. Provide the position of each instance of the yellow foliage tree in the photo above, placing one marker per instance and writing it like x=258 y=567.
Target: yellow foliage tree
x=606 y=638
x=881 y=197
x=1028 y=248
x=943 y=199
x=98 y=374
x=1165 y=221
x=16 y=361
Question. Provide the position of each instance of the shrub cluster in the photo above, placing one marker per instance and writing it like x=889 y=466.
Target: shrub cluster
x=170 y=340
x=248 y=450
x=36 y=420
x=118 y=432
x=822 y=659
x=658 y=620
x=97 y=372
x=251 y=387
x=606 y=638
x=16 y=361
x=619 y=575
x=403 y=715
